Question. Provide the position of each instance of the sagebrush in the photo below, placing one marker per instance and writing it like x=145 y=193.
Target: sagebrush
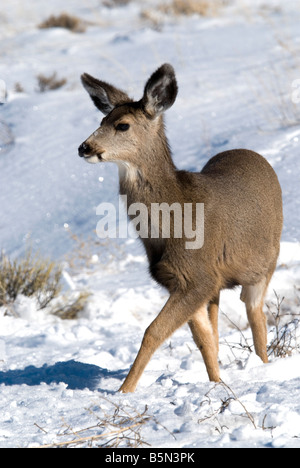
x=35 y=276
x=50 y=83
x=31 y=275
x=64 y=20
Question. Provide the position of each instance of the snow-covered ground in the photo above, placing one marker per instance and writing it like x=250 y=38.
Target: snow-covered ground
x=237 y=73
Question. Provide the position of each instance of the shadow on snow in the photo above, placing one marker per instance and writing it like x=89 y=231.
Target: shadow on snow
x=76 y=375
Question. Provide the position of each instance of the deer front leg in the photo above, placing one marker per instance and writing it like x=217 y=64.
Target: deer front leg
x=213 y=313
x=202 y=331
x=174 y=314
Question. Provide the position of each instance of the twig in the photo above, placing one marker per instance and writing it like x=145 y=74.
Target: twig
x=246 y=346
x=122 y=425
x=91 y=438
x=239 y=401
x=41 y=429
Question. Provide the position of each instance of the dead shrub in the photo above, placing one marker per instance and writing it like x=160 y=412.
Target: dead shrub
x=153 y=18
x=68 y=307
x=49 y=83
x=30 y=276
x=286 y=326
x=91 y=251
x=64 y=20
x=35 y=276
x=112 y=426
x=19 y=88
x=284 y=332
x=193 y=7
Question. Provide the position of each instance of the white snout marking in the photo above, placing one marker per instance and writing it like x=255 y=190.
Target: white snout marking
x=91 y=159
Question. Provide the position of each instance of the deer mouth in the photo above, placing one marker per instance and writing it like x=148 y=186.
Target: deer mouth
x=86 y=152
x=93 y=158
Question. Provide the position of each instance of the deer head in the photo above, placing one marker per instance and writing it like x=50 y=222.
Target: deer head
x=130 y=128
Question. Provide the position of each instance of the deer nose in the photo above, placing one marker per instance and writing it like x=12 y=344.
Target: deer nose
x=83 y=149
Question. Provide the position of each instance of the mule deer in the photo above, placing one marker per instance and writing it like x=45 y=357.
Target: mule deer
x=243 y=218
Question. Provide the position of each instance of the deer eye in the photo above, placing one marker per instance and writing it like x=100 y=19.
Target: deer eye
x=122 y=127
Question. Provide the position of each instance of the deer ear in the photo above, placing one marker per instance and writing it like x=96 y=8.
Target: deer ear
x=160 y=91
x=104 y=96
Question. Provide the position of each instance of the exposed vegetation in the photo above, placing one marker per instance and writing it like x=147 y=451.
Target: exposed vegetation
x=31 y=275
x=114 y=426
x=87 y=252
x=19 y=88
x=177 y=8
x=50 y=83
x=40 y=278
x=192 y=7
x=285 y=331
x=69 y=307
x=66 y=21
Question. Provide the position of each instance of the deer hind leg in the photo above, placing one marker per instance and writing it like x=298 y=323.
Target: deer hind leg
x=203 y=334
x=174 y=314
x=213 y=313
x=253 y=296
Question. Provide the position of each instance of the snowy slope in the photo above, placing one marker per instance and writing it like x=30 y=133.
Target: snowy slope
x=235 y=72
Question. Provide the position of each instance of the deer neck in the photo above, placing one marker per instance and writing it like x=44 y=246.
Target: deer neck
x=151 y=181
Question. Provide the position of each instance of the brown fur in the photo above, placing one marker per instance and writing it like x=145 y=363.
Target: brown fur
x=243 y=218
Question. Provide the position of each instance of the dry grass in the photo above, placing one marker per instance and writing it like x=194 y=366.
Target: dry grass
x=155 y=18
x=69 y=307
x=64 y=20
x=35 y=276
x=286 y=327
x=193 y=7
x=49 y=83
x=30 y=276
x=284 y=339
x=113 y=426
x=226 y=396
x=272 y=89
x=19 y=88
x=88 y=252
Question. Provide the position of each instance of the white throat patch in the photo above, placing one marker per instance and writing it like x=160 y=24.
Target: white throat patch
x=127 y=171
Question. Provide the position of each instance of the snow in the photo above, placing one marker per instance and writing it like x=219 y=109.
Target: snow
x=235 y=72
